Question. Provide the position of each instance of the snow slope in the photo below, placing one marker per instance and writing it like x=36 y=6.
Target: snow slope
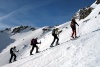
x=81 y=52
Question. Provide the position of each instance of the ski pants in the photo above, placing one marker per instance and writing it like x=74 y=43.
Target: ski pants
x=12 y=55
x=33 y=49
x=55 y=37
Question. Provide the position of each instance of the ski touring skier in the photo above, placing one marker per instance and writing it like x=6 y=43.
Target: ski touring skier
x=55 y=34
x=73 y=26
x=13 y=53
x=33 y=44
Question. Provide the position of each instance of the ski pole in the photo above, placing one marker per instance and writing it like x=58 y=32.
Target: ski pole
x=39 y=43
x=78 y=31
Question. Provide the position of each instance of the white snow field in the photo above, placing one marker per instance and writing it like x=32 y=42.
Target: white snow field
x=81 y=52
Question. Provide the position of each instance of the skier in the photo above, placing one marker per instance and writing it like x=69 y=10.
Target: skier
x=12 y=52
x=73 y=26
x=33 y=44
x=55 y=34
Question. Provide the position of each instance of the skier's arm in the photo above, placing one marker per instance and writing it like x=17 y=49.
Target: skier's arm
x=38 y=42
x=16 y=50
x=60 y=31
x=76 y=23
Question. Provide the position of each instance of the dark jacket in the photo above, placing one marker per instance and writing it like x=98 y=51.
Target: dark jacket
x=73 y=24
x=34 y=42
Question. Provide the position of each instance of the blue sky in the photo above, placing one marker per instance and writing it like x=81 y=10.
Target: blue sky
x=38 y=13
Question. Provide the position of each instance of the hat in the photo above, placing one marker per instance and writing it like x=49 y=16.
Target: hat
x=14 y=46
x=73 y=19
x=57 y=28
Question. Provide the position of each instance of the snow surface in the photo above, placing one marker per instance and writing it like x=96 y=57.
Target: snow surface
x=81 y=52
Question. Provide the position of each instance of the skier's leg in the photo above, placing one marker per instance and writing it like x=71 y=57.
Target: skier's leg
x=31 y=50
x=37 y=49
x=75 y=33
x=11 y=58
x=53 y=41
x=14 y=57
x=72 y=33
x=57 y=43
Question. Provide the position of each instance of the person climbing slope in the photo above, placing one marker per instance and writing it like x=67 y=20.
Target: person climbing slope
x=33 y=44
x=13 y=53
x=73 y=26
x=55 y=34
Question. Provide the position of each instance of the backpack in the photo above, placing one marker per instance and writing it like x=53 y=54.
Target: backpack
x=72 y=24
x=11 y=50
x=53 y=32
x=33 y=41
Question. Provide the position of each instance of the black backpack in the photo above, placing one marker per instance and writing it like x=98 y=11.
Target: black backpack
x=53 y=32
x=33 y=41
x=11 y=50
